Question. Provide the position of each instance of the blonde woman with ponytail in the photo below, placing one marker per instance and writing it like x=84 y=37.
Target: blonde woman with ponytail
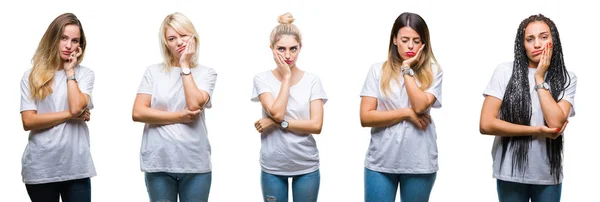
x=396 y=99
x=292 y=101
x=55 y=103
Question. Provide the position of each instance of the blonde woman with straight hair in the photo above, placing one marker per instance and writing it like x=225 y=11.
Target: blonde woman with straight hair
x=396 y=99
x=55 y=103
x=175 y=153
x=292 y=101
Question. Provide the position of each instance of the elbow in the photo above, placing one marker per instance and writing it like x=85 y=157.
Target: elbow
x=75 y=112
x=194 y=107
x=420 y=109
x=485 y=128
x=317 y=129
x=277 y=117
x=26 y=125
x=136 y=116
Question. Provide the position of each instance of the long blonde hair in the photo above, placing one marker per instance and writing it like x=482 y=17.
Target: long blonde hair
x=47 y=60
x=180 y=24
x=391 y=68
x=285 y=27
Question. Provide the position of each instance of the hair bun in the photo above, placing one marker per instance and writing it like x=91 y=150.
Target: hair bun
x=286 y=18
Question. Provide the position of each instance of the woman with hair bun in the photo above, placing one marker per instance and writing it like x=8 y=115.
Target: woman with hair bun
x=292 y=101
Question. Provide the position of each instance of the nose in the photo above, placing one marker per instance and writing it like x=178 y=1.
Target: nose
x=410 y=45
x=287 y=54
x=69 y=45
x=180 y=41
x=537 y=43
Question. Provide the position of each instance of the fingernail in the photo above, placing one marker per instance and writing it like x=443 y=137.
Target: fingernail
x=558 y=130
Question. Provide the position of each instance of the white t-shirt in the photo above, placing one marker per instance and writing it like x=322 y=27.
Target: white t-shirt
x=538 y=166
x=179 y=147
x=402 y=147
x=60 y=153
x=285 y=152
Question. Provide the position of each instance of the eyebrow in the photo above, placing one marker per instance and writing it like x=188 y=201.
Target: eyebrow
x=532 y=35
x=294 y=46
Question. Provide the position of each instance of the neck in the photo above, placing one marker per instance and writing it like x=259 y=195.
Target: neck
x=533 y=64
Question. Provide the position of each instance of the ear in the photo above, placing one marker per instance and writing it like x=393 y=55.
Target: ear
x=271 y=47
x=395 y=41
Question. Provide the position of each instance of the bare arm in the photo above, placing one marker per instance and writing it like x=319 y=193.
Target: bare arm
x=312 y=126
x=371 y=117
x=276 y=107
x=555 y=113
x=34 y=121
x=143 y=113
x=194 y=97
x=419 y=100
x=489 y=124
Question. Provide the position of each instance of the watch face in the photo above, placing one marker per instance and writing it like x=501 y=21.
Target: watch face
x=185 y=70
x=284 y=124
x=546 y=85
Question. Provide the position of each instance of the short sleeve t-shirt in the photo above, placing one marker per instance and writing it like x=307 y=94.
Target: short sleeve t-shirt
x=538 y=166
x=179 y=147
x=401 y=148
x=285 y=152
x=60 y=153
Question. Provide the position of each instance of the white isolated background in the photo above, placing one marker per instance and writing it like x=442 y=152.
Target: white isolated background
x=341 y=40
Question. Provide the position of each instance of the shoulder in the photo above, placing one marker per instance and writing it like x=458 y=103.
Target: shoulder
x=436 y=69
x=262 y=75
x=204 y=69
x=26 y=74
x=84 y=70
x=505 y=67
x=376 y=69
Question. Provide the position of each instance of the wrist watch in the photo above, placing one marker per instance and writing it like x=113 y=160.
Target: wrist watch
x=72 y=77
x=284 y=124
x=186 y=71
x=543 y=85
x=406 y=70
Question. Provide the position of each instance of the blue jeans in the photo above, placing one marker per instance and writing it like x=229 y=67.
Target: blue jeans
x=517 y=192
x=305 y=188
x=382 y=187
x=78 y=190
x=191 y=187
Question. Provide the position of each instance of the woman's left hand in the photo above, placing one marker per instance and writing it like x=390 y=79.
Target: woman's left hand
x=544 y=63
x=414 y=59
x=188 y=53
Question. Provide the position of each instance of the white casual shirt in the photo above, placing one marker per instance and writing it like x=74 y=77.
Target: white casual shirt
x=402 y=147
x=179 y=147
x=285 y=152
x=538 y=166
x=62 y=152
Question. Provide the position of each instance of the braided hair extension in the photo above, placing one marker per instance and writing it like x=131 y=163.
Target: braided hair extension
x=516 y=104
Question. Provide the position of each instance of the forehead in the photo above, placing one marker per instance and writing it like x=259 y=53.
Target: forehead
x=287 y=41
x=407 y=31
x=535 y=28
x=71 y=31
x=171 y=31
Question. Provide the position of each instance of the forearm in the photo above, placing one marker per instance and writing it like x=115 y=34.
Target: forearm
x=77 y=100
x=194 y=97
x=553 y=114
x=418 y=99
x=154 y=116
x=375 y=118
x=502 y=128
x=277 y=109
x=33 y=121
x=305 y=126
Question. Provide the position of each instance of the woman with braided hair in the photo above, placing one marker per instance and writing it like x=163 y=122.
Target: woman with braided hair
x=526 y=107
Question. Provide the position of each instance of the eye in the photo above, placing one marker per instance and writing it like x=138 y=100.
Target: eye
x=76 y=41
x=417 y=41
x=528 y=40
x=404 y=41
x=170 y=39
x=294 y=49
x=281 y=49
x=64 y=38
x=545 y=37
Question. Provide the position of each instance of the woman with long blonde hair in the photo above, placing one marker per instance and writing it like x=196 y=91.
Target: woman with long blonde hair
x=292 y=101
x=175 y=153
x=55 y=103
x=396 y=99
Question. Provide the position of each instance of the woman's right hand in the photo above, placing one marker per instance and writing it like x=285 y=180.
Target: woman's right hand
x=419 y=120
x=84 y=116
x=188 y=116
x=282 y=67
x=552 y=133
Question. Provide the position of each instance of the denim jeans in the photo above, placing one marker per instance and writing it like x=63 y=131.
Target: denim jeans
x=191 y=187
x=517 y=192
x=305 y=188
x=382 y=187
x=78 y=190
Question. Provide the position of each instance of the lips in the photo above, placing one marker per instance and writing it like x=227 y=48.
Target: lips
x=537 y=52
x=288 y=62
x=410 y=54
x=181 y=49
x=66 y=52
